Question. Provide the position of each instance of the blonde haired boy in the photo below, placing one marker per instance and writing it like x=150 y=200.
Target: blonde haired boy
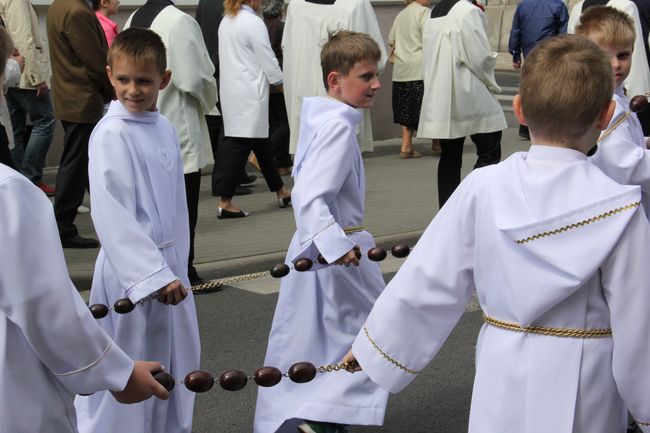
x=557 y=253
x=320 y=311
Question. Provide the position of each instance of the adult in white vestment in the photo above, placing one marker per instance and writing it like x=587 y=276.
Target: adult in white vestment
x=638 y=82
x=327 y=304
x=546 y=239
x=459 y=87
x=50 y=346
x=140 y=214
x=191 y=94
x=306 y=29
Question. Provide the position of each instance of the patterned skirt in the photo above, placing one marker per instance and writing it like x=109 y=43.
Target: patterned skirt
x=407 y=101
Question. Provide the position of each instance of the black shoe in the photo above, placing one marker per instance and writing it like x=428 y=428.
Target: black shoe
x=224 y=214
x=248 y=179
x=77 y=241
x=240 y=190
x=284 y=202
x=195 y=279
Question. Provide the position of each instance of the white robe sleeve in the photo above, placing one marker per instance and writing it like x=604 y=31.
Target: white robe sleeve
x=190 y=63
x=475 y=51
x=422 y=304
x=626 y=280
x=264 y=53
x=321 y=177
x=138 y=263
x=37 y=296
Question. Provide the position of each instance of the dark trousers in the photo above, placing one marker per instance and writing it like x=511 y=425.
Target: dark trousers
x=192 y=189
x=279 y=130
x=644 y=119
x=232 y=156
x=5 y=153
x=72 y=177
x=215 y=131
x=488 y=149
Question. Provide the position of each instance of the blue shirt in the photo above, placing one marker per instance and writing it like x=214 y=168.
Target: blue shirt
x=534 y=21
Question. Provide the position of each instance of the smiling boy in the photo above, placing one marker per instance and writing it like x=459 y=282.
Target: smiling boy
x=140 y=214
x=320 y=311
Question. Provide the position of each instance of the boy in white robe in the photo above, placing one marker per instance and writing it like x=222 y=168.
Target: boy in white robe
x=638 y=81
x=622 y=152
x=320 y=311
x=51 y=348
x=557 y=253
x=140 y=214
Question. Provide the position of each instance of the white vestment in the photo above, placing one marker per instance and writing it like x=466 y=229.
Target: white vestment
x=51 y=348
x=546 y=239
x=247 y=66
x=459 y=82
x=140 y=215
x=623 y=154
x=320 y=311
x=638 y=82
x=306 y=30
x=192 y=91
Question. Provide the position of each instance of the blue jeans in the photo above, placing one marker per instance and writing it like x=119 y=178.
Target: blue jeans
x=29 y=156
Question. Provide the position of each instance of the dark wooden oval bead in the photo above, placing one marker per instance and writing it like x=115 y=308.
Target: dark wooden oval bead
x=638 y=104
x=233 y=380
x=302 y=265
x=322 y=260
x=199 y=381
x=302 y=372
x=98 y=311
x=165 y=379
x=280 y=270
x=357 y=252
x=267 y=376
x=123 y=306
x=377 y=254
x=400 y=250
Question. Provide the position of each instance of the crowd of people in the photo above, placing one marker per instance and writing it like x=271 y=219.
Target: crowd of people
x=553 y=240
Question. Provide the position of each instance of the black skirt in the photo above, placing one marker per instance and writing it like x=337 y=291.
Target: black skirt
x=407 y=101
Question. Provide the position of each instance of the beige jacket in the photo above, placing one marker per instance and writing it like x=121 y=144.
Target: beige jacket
x=22 y=24
x=405 y=40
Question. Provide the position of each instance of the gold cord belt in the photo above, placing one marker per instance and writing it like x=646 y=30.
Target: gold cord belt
x=353 y=229
x=543 y=330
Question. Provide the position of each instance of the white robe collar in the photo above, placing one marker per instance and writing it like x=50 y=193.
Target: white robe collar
x=117 y=111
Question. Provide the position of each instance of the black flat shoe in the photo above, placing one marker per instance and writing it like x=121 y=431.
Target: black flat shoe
x=223 y=214
x=77 y=241
x=284 y=202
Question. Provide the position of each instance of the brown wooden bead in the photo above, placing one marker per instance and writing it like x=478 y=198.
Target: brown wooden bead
x=302 y=265
x=267 y=376
x=377 y=254
x=400 y=250
x=123 y=306
x=322 y=260
x=233 y=380
x=280 y=270
x=199 y=381
x=98 y=311
x=165 y=379
x=302 y=372
x=638 y=104
x=357 y=252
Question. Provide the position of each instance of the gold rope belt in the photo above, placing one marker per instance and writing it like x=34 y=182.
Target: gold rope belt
x=353 y=229
x=543 y=330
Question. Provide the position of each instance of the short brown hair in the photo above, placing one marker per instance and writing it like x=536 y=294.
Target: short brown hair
x=565 y=83
x=608 y=26
x=343 y=49
x=139 y=45
x=6 y=49
x=232 y=7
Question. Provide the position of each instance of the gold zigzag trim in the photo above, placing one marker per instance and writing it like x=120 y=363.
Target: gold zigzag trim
x=386 y=356
x=556 y=332
x=579 y=224
x=353 y=229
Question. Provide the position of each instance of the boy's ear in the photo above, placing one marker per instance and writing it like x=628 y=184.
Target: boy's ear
x=109 y=73
x=333 y=80
x=606 y=115
x=516 y=106
x=166 y=78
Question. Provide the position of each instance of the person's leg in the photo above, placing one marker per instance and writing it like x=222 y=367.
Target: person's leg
x=42 y=117
x=18 y=124
x=71 y=183
x=260 y=147
x=488 y=148
x=5 y=153
x=232 y=154
x=279 y=132
x=192 y=189
x=451 y=159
